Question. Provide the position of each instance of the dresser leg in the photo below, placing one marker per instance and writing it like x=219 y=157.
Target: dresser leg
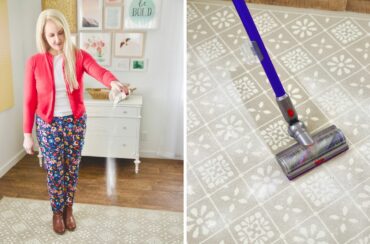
x=137 y=162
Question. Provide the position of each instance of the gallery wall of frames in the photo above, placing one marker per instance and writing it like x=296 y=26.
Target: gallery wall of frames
x=112 y=31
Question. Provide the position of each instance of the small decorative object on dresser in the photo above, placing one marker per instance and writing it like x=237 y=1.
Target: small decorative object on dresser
x=113 y=131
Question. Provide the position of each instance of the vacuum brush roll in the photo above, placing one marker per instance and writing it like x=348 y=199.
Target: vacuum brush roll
x=298 y=159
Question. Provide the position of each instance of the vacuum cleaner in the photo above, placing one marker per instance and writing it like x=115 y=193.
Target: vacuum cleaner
x=310 y=150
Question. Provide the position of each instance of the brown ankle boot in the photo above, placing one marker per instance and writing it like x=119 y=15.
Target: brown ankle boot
x=58 y=223
x=69 y=220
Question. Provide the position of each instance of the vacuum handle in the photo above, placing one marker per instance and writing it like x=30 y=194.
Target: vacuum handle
x=254 y=36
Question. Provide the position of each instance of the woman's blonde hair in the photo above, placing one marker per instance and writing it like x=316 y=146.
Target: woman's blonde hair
x=69 y=48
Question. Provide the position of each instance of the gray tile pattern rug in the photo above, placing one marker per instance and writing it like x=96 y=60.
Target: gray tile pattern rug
x=29 y=221
x=236 y=191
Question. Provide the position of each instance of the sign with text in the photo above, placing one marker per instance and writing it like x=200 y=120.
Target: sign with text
x=141 y=14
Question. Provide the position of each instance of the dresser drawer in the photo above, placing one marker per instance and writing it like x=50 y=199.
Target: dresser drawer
x=110 y=146
x=105 y=111
x=113 y=126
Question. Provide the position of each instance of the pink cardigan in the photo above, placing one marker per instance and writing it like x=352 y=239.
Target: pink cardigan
x=39 y=88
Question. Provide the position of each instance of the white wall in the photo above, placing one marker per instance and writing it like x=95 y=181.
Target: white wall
x=163 y=98
x=11 y=132
x=160 y=84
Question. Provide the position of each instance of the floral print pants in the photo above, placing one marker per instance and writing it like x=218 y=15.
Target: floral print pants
x=61 y=143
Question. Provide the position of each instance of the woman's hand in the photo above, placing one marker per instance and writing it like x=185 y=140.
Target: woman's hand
x=28 y=143
x=119 y=86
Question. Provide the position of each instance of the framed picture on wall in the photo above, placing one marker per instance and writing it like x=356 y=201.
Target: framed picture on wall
x=138 y=64
x=112 y=18
x=121 y=64
x=98 y=44
x=141 y=14
x=90 y=14
x=113 y=1
x=130 y=44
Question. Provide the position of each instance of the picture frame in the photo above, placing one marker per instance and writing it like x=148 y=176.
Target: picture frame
x=121 y=64
x=98 y=44
x=141 y=14
x=129 y=44
x=90 y=14
x=138 y=64
x=112 y=1
x=113 y=18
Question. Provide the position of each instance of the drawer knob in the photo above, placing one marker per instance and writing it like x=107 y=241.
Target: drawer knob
x=123 y=145
x=124 y=127
x=125 y=112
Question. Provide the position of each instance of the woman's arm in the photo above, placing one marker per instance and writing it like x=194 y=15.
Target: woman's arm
x=100 y=73
x=28 y=143
x=30 y=97
x=29 y=106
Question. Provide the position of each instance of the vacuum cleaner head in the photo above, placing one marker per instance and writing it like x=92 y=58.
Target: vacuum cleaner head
x=309 y=151
x=298 y=159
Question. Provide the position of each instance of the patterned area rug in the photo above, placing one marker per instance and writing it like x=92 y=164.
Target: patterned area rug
x=237 y=193
x=29 y=221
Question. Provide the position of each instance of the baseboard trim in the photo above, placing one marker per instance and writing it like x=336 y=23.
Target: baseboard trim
x=10 y=164
x=155 y=154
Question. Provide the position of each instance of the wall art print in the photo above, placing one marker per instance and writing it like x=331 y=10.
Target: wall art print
x=138 y=64
x=141 y=14
x=98 y=44
x=129 y=44
x=113 y=1
x=113 y=18
x=90 y=14
x=121 y=64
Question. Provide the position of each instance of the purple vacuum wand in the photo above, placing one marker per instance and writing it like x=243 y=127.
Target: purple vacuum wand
x=296 y=128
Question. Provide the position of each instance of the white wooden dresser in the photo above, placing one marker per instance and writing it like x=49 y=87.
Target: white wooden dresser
x=113 y=131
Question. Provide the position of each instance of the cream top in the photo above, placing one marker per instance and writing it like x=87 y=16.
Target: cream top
x=62 y=106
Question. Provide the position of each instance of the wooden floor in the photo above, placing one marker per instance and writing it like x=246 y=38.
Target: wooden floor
x=159 y=184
